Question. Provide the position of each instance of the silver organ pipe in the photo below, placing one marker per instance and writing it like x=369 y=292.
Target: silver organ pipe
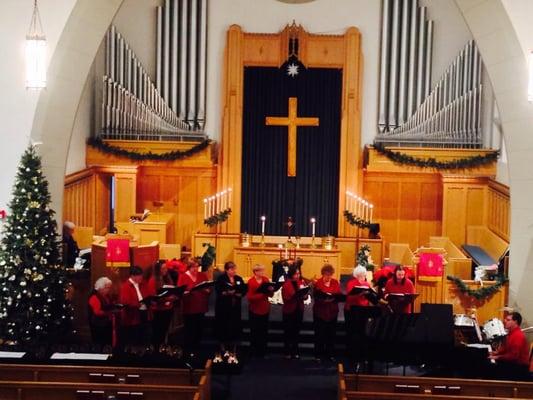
x=405 y=68
x=202 y=59
x=166 y=51
x=384 y=67
x=192 y=56
x=159 y=42
x=394 y=61
x=132 y=106
x=183 y=60
x=450 y=115
x=174 y=57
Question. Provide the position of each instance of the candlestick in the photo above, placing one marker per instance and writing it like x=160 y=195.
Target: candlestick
x=224 y=199
x=371 y=211
x=347 y=200
x=212 y=205
x=286 y=253
x=313 y=223
x=280 y=247
x=205 y=208
x=263 y=219
x=359 y=205
x=217 y=203
x=230 y=191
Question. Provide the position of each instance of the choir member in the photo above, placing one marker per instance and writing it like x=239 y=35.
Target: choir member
x=100 y=315
x=178 y=267
x=164 y=308
x=512 y=357
x=195 y=305
x=355 y=321
x=325 y=311
x=259 y=309
x=230 y=288
x=135 y=314
x=293 y=310
x=399 y=284
x=70 y=246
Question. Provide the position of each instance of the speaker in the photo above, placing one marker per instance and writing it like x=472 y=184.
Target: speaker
x=439 y=319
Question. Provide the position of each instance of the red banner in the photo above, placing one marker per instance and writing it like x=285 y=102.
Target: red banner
x=430 y=264
x=118 y=253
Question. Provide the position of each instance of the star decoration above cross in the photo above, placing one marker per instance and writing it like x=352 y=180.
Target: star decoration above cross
x=292 y=70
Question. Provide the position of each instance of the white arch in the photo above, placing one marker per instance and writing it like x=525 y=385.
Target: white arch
x=58 y=104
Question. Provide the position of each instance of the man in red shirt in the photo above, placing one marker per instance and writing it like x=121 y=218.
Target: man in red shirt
x=135 y=314
x=512 y=358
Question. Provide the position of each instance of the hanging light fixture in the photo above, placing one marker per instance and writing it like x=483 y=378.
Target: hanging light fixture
x=530 y=84
x=35 y=52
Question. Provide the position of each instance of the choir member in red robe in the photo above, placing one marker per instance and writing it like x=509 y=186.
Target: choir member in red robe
x=399 y=284
x=135 y=314
x=163 y=309
x=512 y=357
x=100 y=316
x=258 y=311
x=195 y=305
x=355 y=321
x=325 y=312
x=293 y=311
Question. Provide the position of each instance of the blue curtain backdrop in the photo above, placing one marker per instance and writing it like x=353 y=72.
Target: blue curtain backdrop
x=266 y=188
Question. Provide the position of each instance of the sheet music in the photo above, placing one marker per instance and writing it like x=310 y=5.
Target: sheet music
x=480 y=346
x=84 y=251
x=79 y=356
x=11 y=354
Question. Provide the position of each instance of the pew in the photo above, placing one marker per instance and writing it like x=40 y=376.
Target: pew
x=108 y=375
x=27 y=390
x=400 y=387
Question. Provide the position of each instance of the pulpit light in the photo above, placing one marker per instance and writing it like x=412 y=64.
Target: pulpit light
x=530 y=84
x=35 y=52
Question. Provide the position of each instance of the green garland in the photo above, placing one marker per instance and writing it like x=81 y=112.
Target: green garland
x=481 y=293
x=461 y=163
x=356 y=221
x=218 y=218
x=99 y=144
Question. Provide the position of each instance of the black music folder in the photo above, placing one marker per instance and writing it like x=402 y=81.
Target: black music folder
x=112 y=307
x=338 y=297
x=172 y=290
x=302 y=292
x=269 y=287
x=203 y=285
x=406 y=297
x=366 y=291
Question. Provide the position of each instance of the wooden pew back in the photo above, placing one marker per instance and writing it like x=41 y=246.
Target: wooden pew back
x=458 y=264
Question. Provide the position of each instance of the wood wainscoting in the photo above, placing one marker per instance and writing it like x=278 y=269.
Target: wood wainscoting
x=408 y=206
x=498 y=210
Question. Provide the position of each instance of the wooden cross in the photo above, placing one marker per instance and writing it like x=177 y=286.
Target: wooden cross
x=292 y=122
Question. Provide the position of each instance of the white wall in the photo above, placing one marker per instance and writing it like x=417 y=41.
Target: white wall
x=17 y=105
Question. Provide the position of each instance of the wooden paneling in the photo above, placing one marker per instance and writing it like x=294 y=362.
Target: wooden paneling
x=498 y=210
x=464 y=203
x=125 y=195
x=79 y=198
x=181 y=191
x=406 y=205
x=349 y=248
x=318 y=51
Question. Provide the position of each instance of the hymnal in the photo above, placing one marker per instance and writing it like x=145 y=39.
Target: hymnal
x=269 y=287
x=338 y=297
x=203 y=285
x=402 y=296
x=302 y=292
x=172 y=290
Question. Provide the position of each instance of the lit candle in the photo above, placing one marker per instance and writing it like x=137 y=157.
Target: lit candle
x=371 y=211
x=280 y=247
x=217 y=203
x=348 y=195
x=263 y=219
x=205 y=208
x=359 y=206
x=365 y=210
x=229 y=197
x=212 y=205
x=286 y=253
x=224 y=200
x=313 y=222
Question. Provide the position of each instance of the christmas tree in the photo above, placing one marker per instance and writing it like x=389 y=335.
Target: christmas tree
x=33 y=285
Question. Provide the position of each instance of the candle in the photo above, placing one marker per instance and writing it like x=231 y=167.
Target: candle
x=217 y=203
x=263 y=219
x=371 y=210
x=313 y=222
x=286 y=253
x=205 y=208
x=359 y=205
x=212 y=205
x=365 y=209
x=348 y=195
x=280 y=247
x=229 y=198
x=224 y=199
